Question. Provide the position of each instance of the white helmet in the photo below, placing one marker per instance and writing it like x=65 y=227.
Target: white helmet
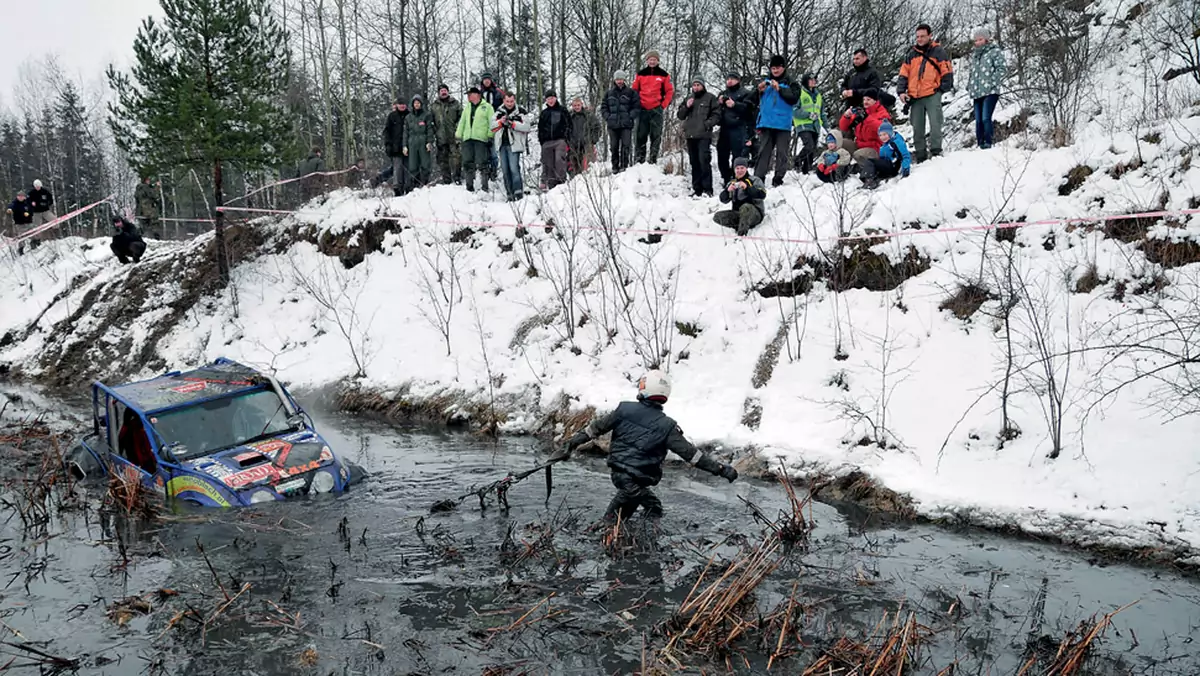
x=654 y=385
x=37 y=183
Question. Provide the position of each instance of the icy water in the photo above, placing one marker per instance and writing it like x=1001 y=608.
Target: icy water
x=372 y=583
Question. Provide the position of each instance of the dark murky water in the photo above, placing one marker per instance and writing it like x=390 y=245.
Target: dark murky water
x=374 y=584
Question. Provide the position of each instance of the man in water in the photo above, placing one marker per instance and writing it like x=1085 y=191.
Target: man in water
x=641 y=436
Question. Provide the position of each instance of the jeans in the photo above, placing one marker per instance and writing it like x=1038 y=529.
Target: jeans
x=985 y=107
x=510 y=172
x=700 y=155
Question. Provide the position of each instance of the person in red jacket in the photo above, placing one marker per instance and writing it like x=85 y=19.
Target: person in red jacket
x=653 y=85
x=862 y=125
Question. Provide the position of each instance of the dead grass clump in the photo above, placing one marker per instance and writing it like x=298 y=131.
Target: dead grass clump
x=130 y=496
x=1121 y=168
x=1090 y=280
x=892 y=648
x=1071 y=653
x=859 y=267
x=859 y=488
x=1075 y=179
x=1171 y=254
x=720 y=609
x=752 y=411
x=967 y=299
x=797 y=286
x=764 y=368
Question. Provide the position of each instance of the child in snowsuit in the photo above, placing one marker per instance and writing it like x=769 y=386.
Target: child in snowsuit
x=894 y=158
x=834 y=164
x=641 y=436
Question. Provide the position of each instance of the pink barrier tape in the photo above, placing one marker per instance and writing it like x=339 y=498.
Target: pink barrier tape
x=290 y=180
x=65 y=217
x=752 y=238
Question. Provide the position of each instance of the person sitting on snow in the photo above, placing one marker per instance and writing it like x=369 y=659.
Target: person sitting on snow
x=127 y=243
x=894 y=158
x=834 y=164
x=641 y=436
x=747 y=192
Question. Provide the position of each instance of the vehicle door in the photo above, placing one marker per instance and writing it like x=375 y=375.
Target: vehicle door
x=132 y=448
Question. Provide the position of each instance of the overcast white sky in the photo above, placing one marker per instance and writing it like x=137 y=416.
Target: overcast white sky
x=86 y=35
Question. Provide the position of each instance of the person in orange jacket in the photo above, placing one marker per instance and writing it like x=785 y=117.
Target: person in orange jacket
x=925 y=75
x=653 y=85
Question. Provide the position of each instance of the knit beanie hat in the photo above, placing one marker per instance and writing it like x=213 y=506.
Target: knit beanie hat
x=652 y=54
x=777 y=61
x=549 y=93
x=982 y=33
x=830 y=138
x=443 y=86
x=871 y=93
x=886 y=128
x=620 y=75
x=741 y=162
x=698 y=80
x=732 y=76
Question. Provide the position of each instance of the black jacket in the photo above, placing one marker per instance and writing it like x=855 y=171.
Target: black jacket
x=127 y=233
x=859 y=80
x=40 y=199
x=393 y=133
x=641 y=436
x=22 y=211
x=742 y=113
x=554 y=124
x=699 y=120
x=494 y=95
x=620 y=107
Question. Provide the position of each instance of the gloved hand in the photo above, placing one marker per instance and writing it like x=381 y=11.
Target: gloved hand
x=905 y=172
x=563 y=453
x=728 y=472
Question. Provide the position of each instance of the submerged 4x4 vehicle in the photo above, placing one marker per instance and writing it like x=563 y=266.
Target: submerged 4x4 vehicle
x=221 y=435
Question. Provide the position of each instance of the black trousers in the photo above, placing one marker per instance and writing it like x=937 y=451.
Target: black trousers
x=731 y=144
x=777 y=142
x=808 y=145
x=125 y=251
x=620 y=141
x=700 y=155
x=877 y=168
x=631 y=495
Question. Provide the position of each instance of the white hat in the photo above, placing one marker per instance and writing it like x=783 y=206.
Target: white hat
x=37 y=183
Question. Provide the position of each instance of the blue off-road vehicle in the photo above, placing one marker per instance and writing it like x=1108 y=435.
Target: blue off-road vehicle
x=221 y=435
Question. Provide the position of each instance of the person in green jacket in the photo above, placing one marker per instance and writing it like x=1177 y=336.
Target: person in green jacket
x=808 y=117
x=446 y=113
x=475 y=132
x=987 y=72
x=419 y=137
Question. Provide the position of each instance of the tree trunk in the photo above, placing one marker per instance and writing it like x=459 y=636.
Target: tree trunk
x=219 y=221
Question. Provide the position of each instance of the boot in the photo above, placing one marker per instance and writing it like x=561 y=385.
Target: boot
x=777 y=181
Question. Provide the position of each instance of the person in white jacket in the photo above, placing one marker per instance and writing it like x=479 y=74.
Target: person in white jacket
x=510 y=132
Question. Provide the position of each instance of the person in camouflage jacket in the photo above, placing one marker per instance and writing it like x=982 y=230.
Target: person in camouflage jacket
x=149 y=206
x=987 y=72
x=446 y=111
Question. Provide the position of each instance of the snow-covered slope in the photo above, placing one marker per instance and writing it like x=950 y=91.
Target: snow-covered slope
x=451 y=296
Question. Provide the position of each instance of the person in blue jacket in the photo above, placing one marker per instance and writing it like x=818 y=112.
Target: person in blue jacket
x=894 y=158
x=775 y=97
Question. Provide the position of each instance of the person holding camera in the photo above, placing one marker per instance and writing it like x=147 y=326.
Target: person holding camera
x=510 y=137
x=775 y=97
x=737 y=119
x=746 y=192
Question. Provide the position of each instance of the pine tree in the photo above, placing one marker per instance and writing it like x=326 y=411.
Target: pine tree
x=206 y=90
x=82 y=165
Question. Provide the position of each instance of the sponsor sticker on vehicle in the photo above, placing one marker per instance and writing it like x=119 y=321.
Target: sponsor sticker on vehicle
x=187 y=484
x=190 y=387
x=290 y=486
x=271 y=447
x=250 y=476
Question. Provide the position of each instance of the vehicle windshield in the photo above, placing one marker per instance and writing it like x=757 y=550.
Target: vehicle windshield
x=216 y=425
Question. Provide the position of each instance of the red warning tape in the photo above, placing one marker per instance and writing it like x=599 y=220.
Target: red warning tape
x=65 y=217
x=722 y=235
